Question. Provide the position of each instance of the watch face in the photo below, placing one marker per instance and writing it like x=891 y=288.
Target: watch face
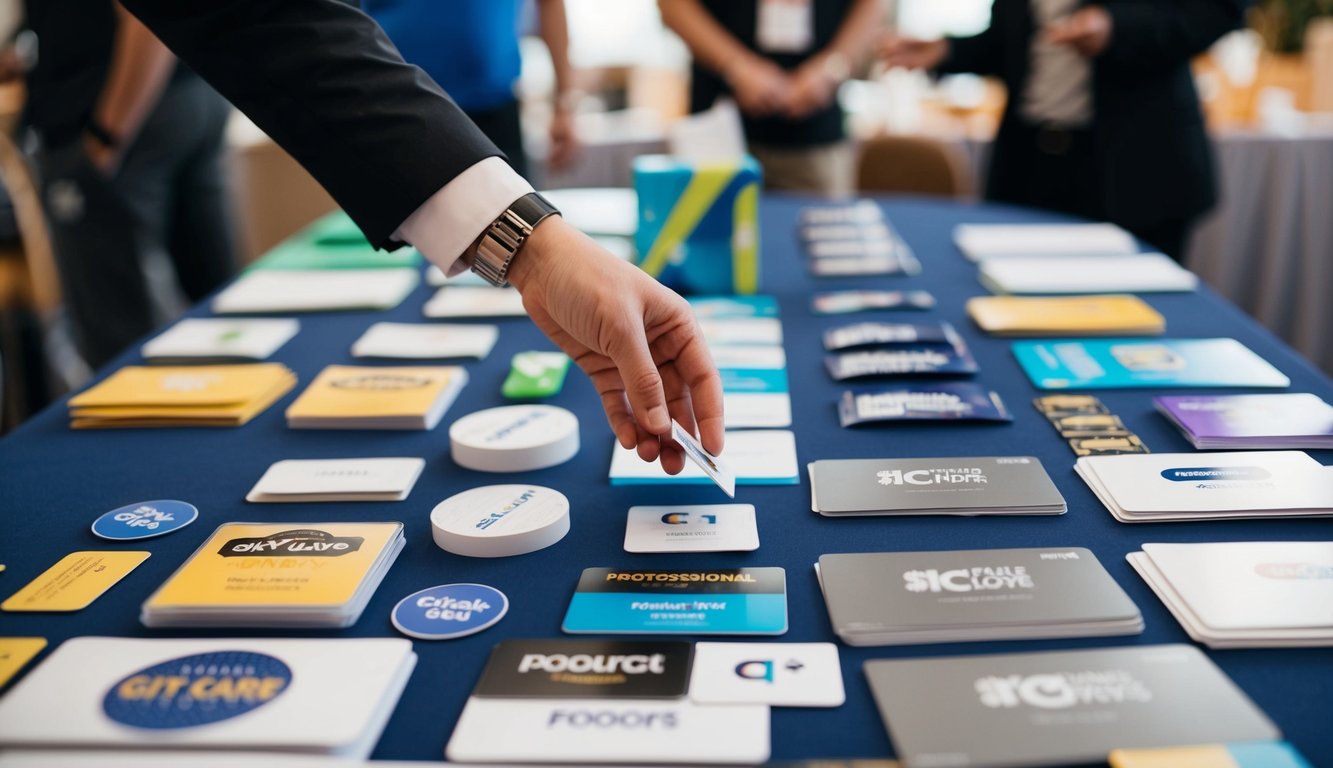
x=505 y=237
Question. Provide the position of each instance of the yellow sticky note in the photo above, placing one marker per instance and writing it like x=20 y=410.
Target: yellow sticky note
x=74 y=582
x=15 y=652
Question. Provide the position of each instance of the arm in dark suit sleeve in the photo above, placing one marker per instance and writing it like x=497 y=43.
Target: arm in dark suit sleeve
x=1156 y=35
x=325 y=83
x=980 y=54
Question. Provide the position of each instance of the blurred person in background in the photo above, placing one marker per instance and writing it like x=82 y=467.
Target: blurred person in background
x=782 y=62
x=1102 y=119
x=130 y=160
x=470 y=48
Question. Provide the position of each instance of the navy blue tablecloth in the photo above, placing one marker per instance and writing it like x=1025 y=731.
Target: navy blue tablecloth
x=55 y=481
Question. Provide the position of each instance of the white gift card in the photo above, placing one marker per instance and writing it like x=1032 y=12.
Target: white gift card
x=741 y=330
x=425 y=341
x=692 y=528
x=589 y=731
x=777 y=674
x=338 y=480
x=475 y=301
x=713 y=466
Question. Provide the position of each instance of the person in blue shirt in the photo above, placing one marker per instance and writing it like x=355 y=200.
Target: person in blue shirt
x=470 y=48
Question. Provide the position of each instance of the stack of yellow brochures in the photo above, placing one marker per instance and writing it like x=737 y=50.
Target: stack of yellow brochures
x=363 y=397
x=193 y=396
x=278 y=575
x=1116 y=315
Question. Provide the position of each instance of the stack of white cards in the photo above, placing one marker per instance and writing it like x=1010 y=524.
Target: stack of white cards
x=904 y=598
x=425 y=341
x=1261 y=594
x=750 y=457
x=475 y=301
x=309 y=480
x=220 y=340
x=304 y=697
x=316 y=290
x=1001 y=241
x=1153 y=487
x=1137 y=273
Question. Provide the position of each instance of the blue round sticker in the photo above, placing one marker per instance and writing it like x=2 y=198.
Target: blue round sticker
x=145 y=520
x=197 y=690
x=449 y=611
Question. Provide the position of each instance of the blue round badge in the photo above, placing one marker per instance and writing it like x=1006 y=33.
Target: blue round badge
x=197 y=690
x=449 y=611
x=145 y=520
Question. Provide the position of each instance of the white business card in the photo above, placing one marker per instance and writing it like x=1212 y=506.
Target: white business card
x=219 y=338
x=692 y=528
x=304 y=480
x=777 y=674
x=475 y=301
x=741 y=330
x=757 y=456
x=716 y=469
x=426 y=341
x=603 y=731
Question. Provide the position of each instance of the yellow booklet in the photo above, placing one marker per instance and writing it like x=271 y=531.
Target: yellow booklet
x=279 y=565
x=377 y=397
x=215 y=395
x=1065 y=315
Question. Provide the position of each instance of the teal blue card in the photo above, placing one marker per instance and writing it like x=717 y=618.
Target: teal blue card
x=1126 y=363
x=735 y=601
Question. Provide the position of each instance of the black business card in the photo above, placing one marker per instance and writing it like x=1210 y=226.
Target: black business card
x=587 y=669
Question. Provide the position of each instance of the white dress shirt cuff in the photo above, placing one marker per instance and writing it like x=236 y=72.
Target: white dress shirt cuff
x=451 y=219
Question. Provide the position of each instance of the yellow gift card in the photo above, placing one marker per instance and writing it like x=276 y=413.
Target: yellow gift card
x=374 y=392
x=74 y=582
x=15 y=652
x=1075 y=315
x=277 y=564
x=204 y=385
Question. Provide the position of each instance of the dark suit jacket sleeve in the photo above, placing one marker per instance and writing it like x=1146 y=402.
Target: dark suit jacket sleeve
x=325 y=83
x=981 y=54
x=1153 y=36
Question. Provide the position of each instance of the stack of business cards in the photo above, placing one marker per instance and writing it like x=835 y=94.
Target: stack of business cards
x=191 y=396
x=735 y=601
x=757 y=457
x=946 y=401
x=1213 y=422
x=734 y=306
x=1140 y=273
x=999 y=241
x=1125 y=363
x=337 y=480
x=475 y=301
x=632 y=692
x=1159 y=487
x=903 y=598
x=220 y=340
x=1065 y=316
x=353 y=397
x=1059 y=708
x=425 y=341
x=304 y=697
x=846 y=302
x=269 y=291
x=986 y=485
x=745 y=337
x=278 y=575
x=896 y=349
x=854 y=239
x=1248 y=594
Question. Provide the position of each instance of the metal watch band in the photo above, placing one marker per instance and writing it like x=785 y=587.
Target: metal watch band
x=503 y=239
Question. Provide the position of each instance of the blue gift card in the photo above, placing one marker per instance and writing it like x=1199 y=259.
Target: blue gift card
x=734 y=306
x=738 y=601
x=753 y=379
x=1124 y=363
x=449 y=611
x=145 y=520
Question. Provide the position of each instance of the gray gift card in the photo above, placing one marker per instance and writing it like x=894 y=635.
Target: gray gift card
x=913 y=591
x=1034 y=709
x=957 y=485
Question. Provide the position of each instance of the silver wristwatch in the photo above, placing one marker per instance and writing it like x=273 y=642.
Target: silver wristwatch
x=502 y=240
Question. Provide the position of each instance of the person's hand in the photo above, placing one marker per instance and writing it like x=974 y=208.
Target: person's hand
x=911 y=53
x=1087 y=30
x=564 y=145
x=811 y=90
x=103 y=158
x=760 y=86
x=638 y=341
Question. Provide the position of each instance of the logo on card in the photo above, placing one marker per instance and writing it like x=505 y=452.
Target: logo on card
x=1204 y=474
x=1295 y=571
x=980 y=579
x=306 y=542
x=683 y=518
x=762 y=669
x=1062 y=690
x=197 y=690
x=449 y=611
x=381 y=382
x=494 y=517
x=586 y=669
x=943 y=476
x=144 y=520
x=605 y=719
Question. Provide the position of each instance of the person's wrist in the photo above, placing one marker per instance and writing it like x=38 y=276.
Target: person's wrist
x=535 y=257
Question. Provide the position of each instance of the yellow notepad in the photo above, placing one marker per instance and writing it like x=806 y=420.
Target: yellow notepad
x=294 y=565
x=399 y=397
x=1065 y=315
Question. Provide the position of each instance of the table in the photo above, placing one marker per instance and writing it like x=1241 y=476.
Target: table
x=56 y=481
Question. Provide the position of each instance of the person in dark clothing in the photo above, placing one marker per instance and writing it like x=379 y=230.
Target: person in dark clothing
x=1102 y=120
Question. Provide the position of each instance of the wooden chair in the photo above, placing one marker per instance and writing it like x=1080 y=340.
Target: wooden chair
x=914 y=165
